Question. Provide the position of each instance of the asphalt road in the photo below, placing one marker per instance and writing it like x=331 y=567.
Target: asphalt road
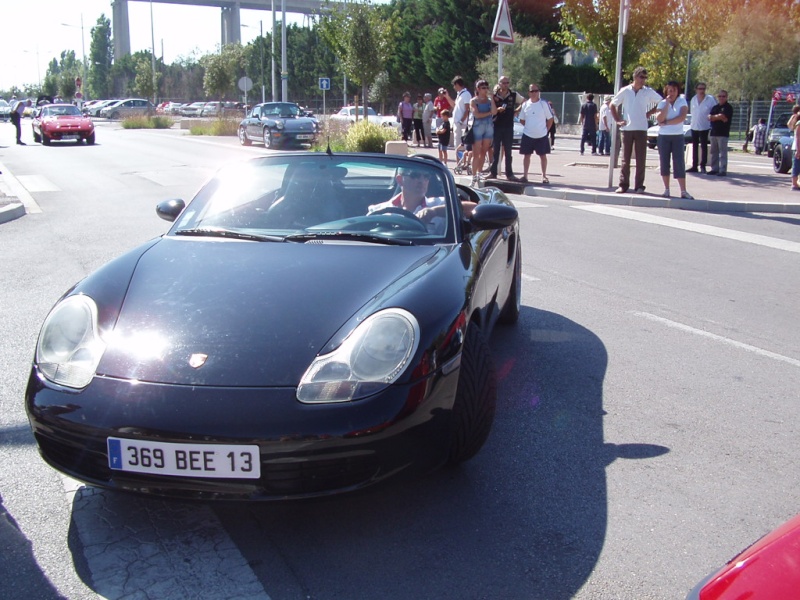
x=646 y=428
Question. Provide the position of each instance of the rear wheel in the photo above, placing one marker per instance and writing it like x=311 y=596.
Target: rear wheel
x=476 y=398
x=782 y=158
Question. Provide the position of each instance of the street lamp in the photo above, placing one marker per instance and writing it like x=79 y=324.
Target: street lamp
x=83 y=54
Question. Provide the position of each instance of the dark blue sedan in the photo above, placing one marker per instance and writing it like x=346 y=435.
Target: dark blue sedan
x=278 y=125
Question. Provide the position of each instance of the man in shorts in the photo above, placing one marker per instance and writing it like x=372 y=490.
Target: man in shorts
x=537 y=119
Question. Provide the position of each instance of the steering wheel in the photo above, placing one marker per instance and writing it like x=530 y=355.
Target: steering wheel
x=396 y=210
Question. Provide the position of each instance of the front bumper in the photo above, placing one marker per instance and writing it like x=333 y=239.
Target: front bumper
x=305 y=450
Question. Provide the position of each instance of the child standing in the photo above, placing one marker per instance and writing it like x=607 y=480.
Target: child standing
x=443 y=133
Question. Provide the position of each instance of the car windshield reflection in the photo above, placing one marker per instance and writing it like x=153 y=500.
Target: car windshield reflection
x=316 y=198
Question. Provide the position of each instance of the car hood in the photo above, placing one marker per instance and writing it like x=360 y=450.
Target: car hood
x=253 y=314
x=299 y=124
x=67 y=120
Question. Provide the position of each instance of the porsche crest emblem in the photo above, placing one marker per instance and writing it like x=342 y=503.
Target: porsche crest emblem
x=197 y=360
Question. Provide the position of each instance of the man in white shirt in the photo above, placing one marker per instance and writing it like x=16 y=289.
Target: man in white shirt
x=604 y=127
x=700 y=107
x=536 y=117
x=427 y=118
x=637 y=102
x=460 y=110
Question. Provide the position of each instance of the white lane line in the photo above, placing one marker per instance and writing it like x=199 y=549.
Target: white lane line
x=718 y=338
x=151 y=548
x=525 y=204
x=38 y=183
x=730 y=234
x=530 y=278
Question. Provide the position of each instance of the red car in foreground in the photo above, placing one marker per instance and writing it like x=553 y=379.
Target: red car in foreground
x=62 y=122
x=767 y=570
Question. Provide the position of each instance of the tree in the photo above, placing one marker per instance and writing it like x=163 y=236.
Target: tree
x=361 y=38
x=144 y=83
x=101 y=55
x=223 y=71
x=767 y=58
x=523 y=63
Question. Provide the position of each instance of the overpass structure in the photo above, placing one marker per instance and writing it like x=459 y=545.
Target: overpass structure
x=230 y=23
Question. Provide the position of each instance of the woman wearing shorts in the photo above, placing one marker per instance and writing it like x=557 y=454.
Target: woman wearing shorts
x=482 y=109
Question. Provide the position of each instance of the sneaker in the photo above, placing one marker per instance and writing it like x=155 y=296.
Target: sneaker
x=594 y=153
x=692 y=170
x=620 y=190
x=640 y=190
x=665 y=194
x=686 y=195
x=492 y=175
x=713 y=172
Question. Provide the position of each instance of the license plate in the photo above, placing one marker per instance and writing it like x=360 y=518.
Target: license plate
x=227 y=461
x=305 y=136
x=70 y=136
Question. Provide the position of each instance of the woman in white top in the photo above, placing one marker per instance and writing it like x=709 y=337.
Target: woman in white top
x=670 y=117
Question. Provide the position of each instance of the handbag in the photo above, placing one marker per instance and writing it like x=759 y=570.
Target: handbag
x=469 y=136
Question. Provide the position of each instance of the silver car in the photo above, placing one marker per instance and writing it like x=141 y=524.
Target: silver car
x=128 y=108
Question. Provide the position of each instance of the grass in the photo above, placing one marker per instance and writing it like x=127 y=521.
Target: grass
x=145 y=122
x=224 y=126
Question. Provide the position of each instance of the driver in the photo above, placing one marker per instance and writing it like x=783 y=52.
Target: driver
x=413 y=182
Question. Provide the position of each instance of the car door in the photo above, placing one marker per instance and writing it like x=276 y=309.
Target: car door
x=253 y=124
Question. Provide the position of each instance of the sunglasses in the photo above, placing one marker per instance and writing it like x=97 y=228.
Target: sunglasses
x=533 y=91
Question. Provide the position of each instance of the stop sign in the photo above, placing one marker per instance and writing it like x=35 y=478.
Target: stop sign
x=78 y=81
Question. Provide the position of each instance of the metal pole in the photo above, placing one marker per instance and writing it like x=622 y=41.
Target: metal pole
x=274 y=84
x=688 y=74
x=153 y=55
x=261 y=43
x=623 y=26
x=284 y=72
x=83 y=70
x=499 y=61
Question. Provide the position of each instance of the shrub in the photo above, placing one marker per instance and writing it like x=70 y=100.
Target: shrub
x=145 y=122
x=216 y=127
x=364 y=136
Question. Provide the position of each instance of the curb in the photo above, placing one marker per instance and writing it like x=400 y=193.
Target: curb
x=11 y=211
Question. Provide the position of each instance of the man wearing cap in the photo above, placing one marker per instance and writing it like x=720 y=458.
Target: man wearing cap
x=637 y=102
x=604 y=127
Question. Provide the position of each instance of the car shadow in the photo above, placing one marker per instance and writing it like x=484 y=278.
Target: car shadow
x=525 y=518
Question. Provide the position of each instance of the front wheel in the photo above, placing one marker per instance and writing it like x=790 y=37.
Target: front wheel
x=36 y=137
x=90 y=139
x=243 y=139
x=45 y=139
x=476 y=398
x=268 y=143
x=782 y=159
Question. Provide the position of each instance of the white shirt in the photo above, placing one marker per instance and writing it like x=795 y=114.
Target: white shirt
x=436 y=224
x=604 y=114
x=535 y=115
x=635 y=106
x=462 y=102
x=427 y=111
x=700 y=112
x=673 y=111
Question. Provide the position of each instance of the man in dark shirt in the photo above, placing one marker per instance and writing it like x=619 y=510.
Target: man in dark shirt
x=720 y=116
x=589 y=114
x=506 y=101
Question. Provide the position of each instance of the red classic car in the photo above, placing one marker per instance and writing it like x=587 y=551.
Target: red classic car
x=61 y=122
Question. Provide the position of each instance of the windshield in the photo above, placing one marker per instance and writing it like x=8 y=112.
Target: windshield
x=280 y=109
x=3 y=103
x=315 y=197
x=64 y=110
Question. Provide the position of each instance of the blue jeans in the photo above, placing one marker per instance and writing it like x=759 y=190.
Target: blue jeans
x=605 y=142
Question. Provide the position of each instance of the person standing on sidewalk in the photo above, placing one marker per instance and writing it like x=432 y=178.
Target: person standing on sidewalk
x=671 y=143
x=537 y=118
x=405 y=113
x=634 y=100
x=441 y=103
x=604 y=126
x=427 y=120
x=461 y=109
x=588 y=118
x=701 y=106
x=506 y=101
x=720 y=117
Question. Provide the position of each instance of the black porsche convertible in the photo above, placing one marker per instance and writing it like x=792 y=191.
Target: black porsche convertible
x=302 y=329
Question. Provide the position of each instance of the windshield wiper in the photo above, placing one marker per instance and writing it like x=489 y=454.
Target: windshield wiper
x=229 y=233
x=347 y=235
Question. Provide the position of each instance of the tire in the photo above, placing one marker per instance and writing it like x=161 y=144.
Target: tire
x=782 y=159
x=114 y=116
x=510 y=312
x=37 y=138
x=268 y=143
x=45 y=140
x=90 y=140
x=476 y=398
x=243 y=139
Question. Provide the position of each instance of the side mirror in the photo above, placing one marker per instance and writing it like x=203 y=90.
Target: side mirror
x=491 y=216
x=170 y=209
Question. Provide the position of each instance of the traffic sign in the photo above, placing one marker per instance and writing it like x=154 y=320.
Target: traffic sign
x=245 y=84
x=503 y=32
x=324 y=83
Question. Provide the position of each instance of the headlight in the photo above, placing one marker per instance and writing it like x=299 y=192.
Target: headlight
x=69 y=347
x=373 y=356
x=279 y=125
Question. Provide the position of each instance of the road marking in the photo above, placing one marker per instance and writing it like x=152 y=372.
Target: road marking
x=730 y=234
x=718 y=338
x=530 y=278
x=526 y=204
x=18 y=190
x=38 y=183
x=156 y=548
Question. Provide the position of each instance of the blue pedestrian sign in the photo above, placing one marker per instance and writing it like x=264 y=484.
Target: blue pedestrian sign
x=324 y=83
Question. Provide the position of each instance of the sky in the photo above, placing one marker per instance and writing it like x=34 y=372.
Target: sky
x=32 y=34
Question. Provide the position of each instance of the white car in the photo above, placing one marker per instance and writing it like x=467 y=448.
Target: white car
x=348 y=115
x=652 y=132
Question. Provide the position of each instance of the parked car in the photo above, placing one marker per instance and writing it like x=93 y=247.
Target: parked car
x=211 y=109
x=277 y=124
x=61 y=122
x=168 y=108
x=195 y=109
x=5 y=110
x=652 y=132
x=94 y=109
x=778 y=129
x=201 y=365
x=767 y=570
x=347 y=114
x=782 y=155
x=130 y=107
